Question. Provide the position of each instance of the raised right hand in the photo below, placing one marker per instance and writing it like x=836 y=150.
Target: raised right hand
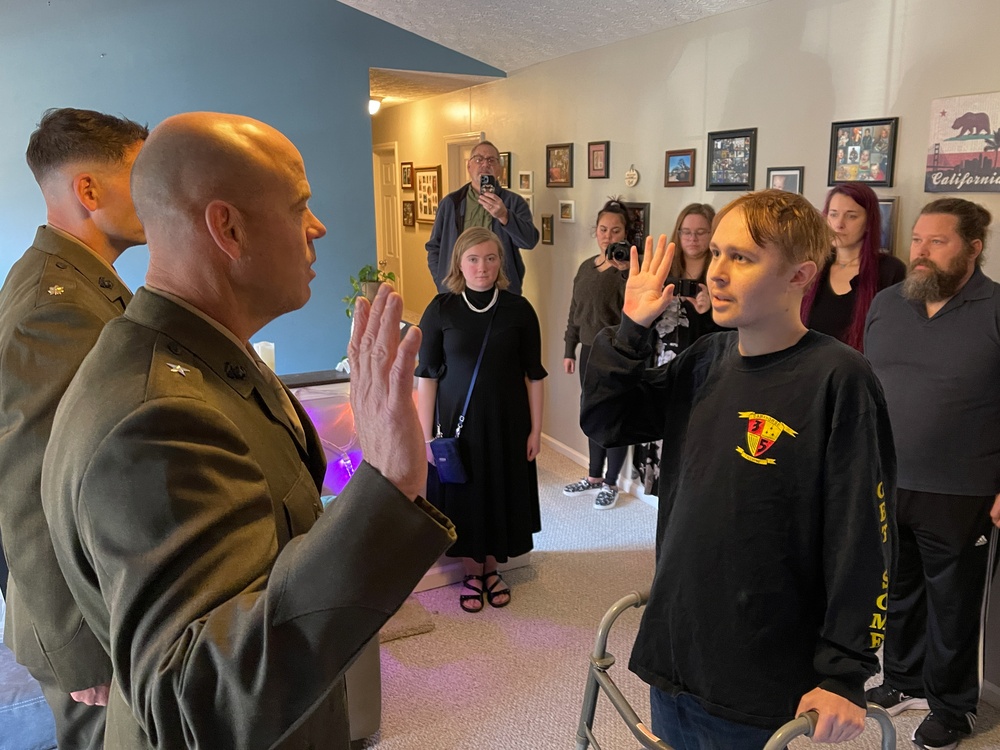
x=645 y=296
x=385 y=416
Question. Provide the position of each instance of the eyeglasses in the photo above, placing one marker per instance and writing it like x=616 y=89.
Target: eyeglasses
x=480 y=160
x=688 y=233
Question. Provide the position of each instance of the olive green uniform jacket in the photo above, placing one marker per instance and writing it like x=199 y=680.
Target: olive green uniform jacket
x=186 y=514
x=53 y=306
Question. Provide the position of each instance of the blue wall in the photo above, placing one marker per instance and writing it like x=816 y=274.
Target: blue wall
x=300 y=65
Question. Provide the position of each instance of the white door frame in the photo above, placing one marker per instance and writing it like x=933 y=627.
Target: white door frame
x=457 y=174
x=384 y=223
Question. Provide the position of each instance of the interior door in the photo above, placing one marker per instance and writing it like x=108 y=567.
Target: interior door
x=388 y=237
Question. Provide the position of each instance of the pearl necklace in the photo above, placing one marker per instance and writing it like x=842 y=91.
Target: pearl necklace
x=496 y=296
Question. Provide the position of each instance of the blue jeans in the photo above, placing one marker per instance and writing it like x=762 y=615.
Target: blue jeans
x=682 y=723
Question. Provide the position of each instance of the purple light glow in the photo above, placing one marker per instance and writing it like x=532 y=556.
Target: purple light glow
x=339 y=469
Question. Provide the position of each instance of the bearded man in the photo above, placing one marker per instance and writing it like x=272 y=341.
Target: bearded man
x=934 y=342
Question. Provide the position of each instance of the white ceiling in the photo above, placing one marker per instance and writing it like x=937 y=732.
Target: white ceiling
x=513 y=34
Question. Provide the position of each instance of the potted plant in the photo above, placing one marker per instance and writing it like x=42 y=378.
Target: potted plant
x=369 y=279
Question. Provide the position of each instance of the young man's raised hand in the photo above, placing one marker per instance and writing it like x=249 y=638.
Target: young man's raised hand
x=645 y=296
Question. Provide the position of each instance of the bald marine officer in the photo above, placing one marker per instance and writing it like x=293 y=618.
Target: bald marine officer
x=182 y=480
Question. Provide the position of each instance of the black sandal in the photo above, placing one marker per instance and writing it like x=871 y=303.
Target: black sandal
x=465 y=600
x=492 y=594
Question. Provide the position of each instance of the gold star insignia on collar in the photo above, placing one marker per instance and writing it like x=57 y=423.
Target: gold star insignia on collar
x=179 y=369
x=56 y=289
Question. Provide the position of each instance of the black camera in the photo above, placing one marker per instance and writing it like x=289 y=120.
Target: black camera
x=488 y=184
x=684 y=287
x=619 y=251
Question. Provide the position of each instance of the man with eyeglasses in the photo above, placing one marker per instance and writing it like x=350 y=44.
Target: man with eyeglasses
x=503 y=212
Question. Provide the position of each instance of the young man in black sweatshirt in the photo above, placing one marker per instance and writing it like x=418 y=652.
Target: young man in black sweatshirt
x=775 y=528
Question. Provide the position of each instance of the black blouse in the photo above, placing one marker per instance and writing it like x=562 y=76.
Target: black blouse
x=831 y=312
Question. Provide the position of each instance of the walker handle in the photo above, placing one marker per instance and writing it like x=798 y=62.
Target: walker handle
x=802 y=726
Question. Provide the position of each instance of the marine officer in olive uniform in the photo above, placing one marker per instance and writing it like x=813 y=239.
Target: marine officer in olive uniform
x=53 y=305
x=182 y=481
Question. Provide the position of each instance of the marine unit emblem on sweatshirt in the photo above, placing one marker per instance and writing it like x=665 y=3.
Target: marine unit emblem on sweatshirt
x=763 y=431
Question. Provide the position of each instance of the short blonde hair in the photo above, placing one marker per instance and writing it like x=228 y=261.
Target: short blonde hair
x=786 y=220
x=471 y=237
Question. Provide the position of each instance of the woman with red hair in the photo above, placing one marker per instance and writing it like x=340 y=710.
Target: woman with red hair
x=838 y=302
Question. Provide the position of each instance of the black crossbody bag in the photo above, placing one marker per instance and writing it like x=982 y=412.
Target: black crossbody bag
x=447 y=457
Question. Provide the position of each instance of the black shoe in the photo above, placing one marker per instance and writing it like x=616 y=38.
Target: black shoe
x=496 y=589
x=933 y=735
x=472 y=602
x=893 y=701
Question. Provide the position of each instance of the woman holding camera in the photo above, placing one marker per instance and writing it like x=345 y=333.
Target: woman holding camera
x=838 y=302
x=685 y=320
x=598 y=296
x=495 y=511
x=692 y=233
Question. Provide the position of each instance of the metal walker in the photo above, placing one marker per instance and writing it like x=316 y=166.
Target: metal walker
x=598 y=678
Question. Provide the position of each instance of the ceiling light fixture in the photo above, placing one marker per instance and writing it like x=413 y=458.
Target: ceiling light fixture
x=374 y=104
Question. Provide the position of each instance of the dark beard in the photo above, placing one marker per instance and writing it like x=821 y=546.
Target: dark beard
x=936 y=284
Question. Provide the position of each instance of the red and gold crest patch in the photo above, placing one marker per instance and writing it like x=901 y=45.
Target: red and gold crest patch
x=763 y=431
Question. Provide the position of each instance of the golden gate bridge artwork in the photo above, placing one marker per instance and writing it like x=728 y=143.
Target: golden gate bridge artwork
x=964 y=151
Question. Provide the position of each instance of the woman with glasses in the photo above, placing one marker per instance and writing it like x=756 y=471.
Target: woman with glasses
x=598 y=296
x=692 y=233
x=838 y=302
x=685 y=320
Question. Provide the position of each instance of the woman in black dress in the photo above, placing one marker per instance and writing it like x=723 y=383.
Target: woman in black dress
x=838 y=302
x=496 y=511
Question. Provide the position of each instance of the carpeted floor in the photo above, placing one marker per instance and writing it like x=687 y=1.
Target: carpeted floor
x=513 y=678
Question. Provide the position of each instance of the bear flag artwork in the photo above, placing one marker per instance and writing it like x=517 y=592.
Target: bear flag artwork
x=964 y=149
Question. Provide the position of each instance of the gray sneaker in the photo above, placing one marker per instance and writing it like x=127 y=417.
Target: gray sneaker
x=606 y=498
x=583 y=487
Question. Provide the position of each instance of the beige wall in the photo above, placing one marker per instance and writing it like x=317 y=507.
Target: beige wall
x=788 y=68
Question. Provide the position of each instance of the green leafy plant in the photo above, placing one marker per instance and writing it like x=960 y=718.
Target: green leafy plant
x=365 y=285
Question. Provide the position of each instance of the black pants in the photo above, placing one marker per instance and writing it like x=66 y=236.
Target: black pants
x=615 y=456
x=938 y=600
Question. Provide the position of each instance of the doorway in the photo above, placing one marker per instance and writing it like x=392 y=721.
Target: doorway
x=460 y=148
x=388 y=233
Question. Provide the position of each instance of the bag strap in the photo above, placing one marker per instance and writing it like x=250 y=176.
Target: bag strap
x=475 y=374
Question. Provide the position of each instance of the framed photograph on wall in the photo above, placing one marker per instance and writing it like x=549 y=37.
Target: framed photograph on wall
x=428 y=187
x=638 y=220
x=863 y=151
x=678 y=168
x=788 y=179
x=567 y=211
x=888 y=207
x=406 y=175
x=409 y=213
x=598 y=159
x=504 y=174
x=732 y=159
x=526 y=182
x=559 y=165
x=547 y=220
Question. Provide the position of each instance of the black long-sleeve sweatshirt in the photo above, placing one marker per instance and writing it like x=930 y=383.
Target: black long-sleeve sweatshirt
x=775 y=531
